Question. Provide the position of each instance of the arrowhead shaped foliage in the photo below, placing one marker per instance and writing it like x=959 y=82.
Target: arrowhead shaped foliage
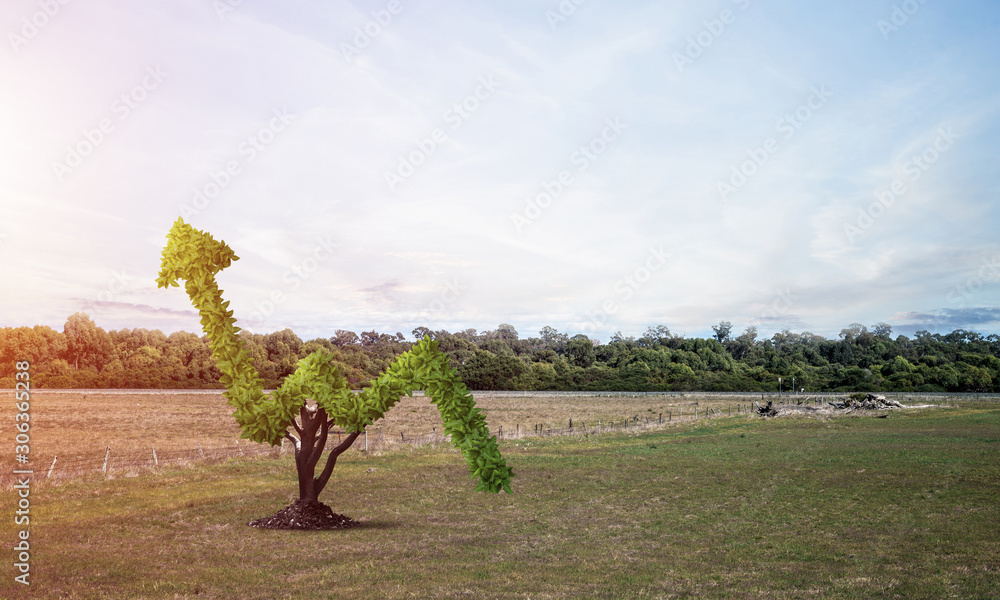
x=195 y=257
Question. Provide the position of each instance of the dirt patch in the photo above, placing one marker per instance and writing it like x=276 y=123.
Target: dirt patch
x=305 y=514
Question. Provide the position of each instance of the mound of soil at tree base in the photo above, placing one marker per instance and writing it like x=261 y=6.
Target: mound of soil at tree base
x=305 y=514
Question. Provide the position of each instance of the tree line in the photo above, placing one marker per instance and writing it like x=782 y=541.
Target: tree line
x=84 y=355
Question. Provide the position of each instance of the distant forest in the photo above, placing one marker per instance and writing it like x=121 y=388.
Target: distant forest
x=83 y=355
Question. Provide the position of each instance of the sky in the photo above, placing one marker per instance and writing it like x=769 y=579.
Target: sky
x=587 y=165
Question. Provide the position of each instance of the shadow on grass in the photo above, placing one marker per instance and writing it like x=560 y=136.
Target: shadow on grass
x=378 y=524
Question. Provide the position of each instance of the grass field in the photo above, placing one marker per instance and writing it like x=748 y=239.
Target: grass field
x=845 y=507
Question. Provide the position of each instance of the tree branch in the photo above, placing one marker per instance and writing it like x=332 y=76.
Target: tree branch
x=332 y=460
x=320 y=445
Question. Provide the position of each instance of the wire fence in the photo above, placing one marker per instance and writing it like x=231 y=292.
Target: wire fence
x=118 y=463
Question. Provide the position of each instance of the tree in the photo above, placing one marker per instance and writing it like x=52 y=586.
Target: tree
x=618 y=338
x=851 y=332
x=655 y=336
x=882 y=330
x=722 y=331
x=40 y=345
x=554 y=340
x=741 y=346
x=342 y=338
x=496 y=346
x=580 y=351
x=507 y=333
x=87 y=344
x=317 y=394
x=486 y=371
x=421 y=332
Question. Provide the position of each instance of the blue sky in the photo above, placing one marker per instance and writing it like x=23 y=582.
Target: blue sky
x=593 y=167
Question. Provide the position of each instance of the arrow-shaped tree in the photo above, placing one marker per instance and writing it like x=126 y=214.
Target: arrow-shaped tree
x=316 y=393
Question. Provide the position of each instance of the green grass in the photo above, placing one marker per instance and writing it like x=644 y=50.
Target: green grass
x=847 y=507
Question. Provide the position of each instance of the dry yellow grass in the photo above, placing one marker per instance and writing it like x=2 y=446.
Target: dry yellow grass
x=78 y=426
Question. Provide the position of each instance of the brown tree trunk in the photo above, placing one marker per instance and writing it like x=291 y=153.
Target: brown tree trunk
x=309 y=449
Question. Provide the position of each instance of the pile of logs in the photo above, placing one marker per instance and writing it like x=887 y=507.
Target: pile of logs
x=869 y=402
x=850 y=404
x=767 y=411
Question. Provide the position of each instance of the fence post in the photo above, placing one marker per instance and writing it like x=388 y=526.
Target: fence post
x=49 y=476
x=107 y=453
x=238 y=447
x=202 y=452
x=156 y=462
x=366 y=441
x=661 y=418
x=402 y=437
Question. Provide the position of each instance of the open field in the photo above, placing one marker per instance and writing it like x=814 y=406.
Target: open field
x=80 y=427
x=843 y=507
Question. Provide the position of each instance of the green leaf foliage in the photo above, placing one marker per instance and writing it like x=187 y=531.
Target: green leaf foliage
x=195 y=257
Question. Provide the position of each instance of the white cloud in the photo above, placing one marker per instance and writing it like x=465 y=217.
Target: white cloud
x=781 y=233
